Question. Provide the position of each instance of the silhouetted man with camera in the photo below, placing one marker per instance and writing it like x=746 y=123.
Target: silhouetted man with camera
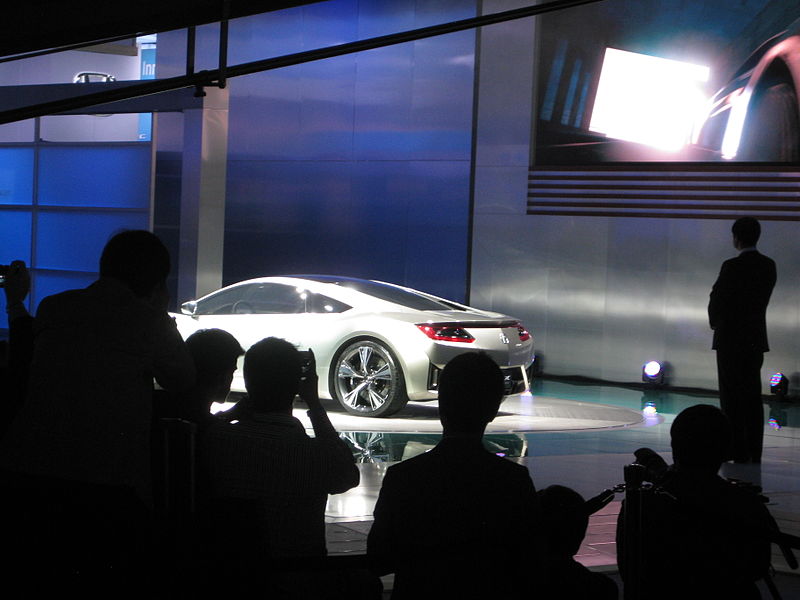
x=268 y=460
x=16 y=287
x=76 y=458
x=699 y=536
x=737 y=314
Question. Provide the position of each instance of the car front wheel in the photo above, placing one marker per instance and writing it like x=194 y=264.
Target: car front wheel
x=367 y=380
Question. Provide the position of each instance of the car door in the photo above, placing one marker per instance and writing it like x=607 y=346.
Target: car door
x=255 y=311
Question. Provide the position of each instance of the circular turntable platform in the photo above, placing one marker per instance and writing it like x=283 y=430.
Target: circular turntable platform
x=519 y=413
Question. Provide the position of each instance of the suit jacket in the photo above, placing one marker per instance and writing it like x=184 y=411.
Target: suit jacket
x=268 y=461
x=20 y=350
x=737 y=308
x=457 y=521
x=87 y=413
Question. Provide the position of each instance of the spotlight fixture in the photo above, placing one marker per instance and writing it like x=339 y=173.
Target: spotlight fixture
x=653 y=372
x=778 y=384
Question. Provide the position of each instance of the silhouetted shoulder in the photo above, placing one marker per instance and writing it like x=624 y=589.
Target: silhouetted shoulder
x=451 y=465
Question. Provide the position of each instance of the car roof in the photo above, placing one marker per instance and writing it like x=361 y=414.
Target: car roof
x=371 y=288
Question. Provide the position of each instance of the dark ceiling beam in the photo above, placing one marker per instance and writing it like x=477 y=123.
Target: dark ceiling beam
x=33 y=25
x=213 y=77
x=15 y=97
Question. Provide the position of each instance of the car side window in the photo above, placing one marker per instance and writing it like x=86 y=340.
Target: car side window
x=275 y=298
x=317 y=303
x=223 y=302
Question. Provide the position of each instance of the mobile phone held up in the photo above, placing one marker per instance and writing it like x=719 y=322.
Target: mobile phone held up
x=307 y=358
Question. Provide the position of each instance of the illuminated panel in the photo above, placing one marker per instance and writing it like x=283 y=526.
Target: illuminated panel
x=649 y=100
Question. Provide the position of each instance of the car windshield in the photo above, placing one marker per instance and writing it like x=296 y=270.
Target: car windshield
x=390 y=293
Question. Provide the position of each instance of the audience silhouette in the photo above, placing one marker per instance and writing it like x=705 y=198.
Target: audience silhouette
x=179 y=481
x=459 y=521
x=76 y=458
x=215 y=353
x=268 y=480
x=566 y=518
x=701 y=536
x=16 y=287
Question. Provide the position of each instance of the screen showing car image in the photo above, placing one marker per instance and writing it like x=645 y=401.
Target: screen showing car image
x=648 y=80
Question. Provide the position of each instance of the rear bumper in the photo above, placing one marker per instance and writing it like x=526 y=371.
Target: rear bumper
x=516 y=379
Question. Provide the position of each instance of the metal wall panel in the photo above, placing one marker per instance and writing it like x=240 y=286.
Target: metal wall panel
x=602 y=294
x=601 y=301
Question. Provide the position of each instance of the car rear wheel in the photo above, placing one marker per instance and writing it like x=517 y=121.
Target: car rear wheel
x=772 y=129
x=367 y=380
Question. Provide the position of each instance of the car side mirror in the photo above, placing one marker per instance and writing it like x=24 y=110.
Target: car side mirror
x=189 y=308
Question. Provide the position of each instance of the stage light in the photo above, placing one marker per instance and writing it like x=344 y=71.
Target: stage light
x=650 y=410
x=778 y=384
x=653 y=372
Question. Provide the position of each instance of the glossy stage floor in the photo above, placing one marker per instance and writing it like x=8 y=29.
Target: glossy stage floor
x=575 y=434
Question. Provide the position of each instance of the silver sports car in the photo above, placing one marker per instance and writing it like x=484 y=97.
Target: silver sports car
x=377 y=345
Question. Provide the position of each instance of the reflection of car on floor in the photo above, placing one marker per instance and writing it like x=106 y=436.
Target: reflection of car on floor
x=375 y=447
x=755 y=116
x=377 y=345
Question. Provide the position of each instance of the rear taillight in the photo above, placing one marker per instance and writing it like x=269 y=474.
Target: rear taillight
x=524 y=334
x=446 y=332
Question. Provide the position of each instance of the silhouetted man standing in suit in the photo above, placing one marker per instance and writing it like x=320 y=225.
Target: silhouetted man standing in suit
x=737 y=314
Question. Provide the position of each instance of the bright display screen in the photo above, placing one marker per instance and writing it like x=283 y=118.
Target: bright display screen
x=647 y=80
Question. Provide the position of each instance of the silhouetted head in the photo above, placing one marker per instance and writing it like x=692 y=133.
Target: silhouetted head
x=137 y=258
x=215 y=353
x=470 y=392
x=565 y=520
x=746 y=230
x=272 y=371
x=701 y=438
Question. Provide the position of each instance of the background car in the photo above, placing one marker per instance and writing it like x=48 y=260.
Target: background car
x=377 y=345
x=756 y=115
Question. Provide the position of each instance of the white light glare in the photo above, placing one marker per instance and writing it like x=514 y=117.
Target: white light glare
x=652 y=368
x=733 y=132
x=648 y=100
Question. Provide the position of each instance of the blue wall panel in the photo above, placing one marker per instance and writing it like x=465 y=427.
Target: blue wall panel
x=16 y=175
x=74 y=240
x=357 y=165
x=15 y=236
x=95 y=176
